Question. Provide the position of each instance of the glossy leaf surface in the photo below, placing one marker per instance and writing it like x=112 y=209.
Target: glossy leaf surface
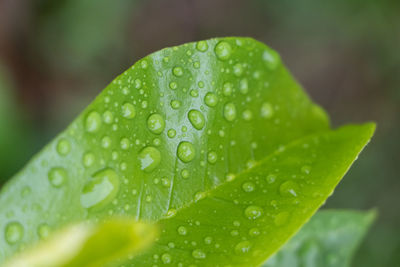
x=329 y=239
x=166 y=139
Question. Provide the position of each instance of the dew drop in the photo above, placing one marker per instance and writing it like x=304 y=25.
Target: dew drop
x=186 y=151
x=254 y=232
x=63 y=147
x=166 y=258
x=196 y=118
x=198 y=254
x=242 y=247
x=211 y=99
x=247 y=115
x=289 y=189
x=230 y=112
x=227 y=89
x=306 y=169
x=271 y=178
x=266 y=110
x=185 y=173
x=106 y=142
x=93 y=122
x=238 y=69
x=244 y=86
x=128 y=111
x=202 y=46
x=253 y=212
x=125 y=143
x=248 y=187
x=171 y=133
x=43 y=231
x=108 y=117
x=212 y=157
x=100 y=190
x=150 y=158
x=271 y=58
x=88 y=159
x=223 y=50
x=175 y=104
x=173 y=85
x=13 y=232
x=156 y=123
x=177 y=71
x=208 y=240
x=57 y=176
x=182 y=230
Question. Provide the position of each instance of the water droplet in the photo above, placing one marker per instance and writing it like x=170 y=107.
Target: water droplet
x=253 y=212
x=93 y=122
x=108 y=117
x=289 y=189
x=128 y=111
x=63 y=147
x=144 y=64
x=125 y=143
x=166 y=258
x=271 y=59
x=227 y=89
x=138 y=83
x=238 y=69
x=43 y=230
x=177 y=71
x=88 y=159
x=170 y=213
x=271 y=178
x=106 y=142
x=247 y=115
x=244 y=86
x=173 y=85
x=230 y=112
x=194 y=93
x=149 y=158
x=202 y=46
x=175 y=104
x=198 y=254
x=13 y=232
x=223 y=50
x=254 y=232
x=211 y=99
x=171 y=133
x=248 y=187
x=212 y=157
x=186 y=151
x=156 y=123
x=266 y=110
x=182 y=230
x=185 y=173
x=57 y=176
x=306 y=169
x=208 y=240
x=196 y=118
x=100 y=190
x=243 y=247
x=281 y=218
x=199 y=196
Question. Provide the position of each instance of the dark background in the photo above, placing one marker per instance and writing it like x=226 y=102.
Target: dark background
x=55 y=56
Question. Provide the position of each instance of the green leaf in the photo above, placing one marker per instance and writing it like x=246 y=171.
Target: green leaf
x=165 y=140
x=88 y=245
x=329 y=239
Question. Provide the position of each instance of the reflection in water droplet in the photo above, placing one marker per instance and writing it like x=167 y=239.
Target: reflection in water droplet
x=186 y=151
x=100 y=190
x=150 y=158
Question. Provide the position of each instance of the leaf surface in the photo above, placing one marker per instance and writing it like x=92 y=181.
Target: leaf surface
x=329 y=239
x=179 y=126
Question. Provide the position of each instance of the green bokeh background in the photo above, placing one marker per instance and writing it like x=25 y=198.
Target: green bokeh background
x=55 y=56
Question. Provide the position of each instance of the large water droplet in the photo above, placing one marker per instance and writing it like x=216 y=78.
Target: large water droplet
x=13 y=232
x=177 y=71
x=57 y=176
x=198 y=254
x=230 y=112
x=166 y=258
x=150 y=158
x=196 y=118
x=211 y=99
x=128 y=111
x=156 y=123
x=253 y=212
x=289 y=189
x=100 y=190
x=223 y=50
x=186 y=151
x=175 y=104
x=93 y=122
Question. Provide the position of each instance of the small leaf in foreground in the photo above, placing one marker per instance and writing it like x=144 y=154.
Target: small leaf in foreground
x=329 y=239
x=88 y=245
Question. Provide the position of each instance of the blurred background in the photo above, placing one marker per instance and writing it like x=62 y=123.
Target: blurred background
x=56 y=56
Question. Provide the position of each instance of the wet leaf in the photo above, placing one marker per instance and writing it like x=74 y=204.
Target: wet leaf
x=218 y=124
